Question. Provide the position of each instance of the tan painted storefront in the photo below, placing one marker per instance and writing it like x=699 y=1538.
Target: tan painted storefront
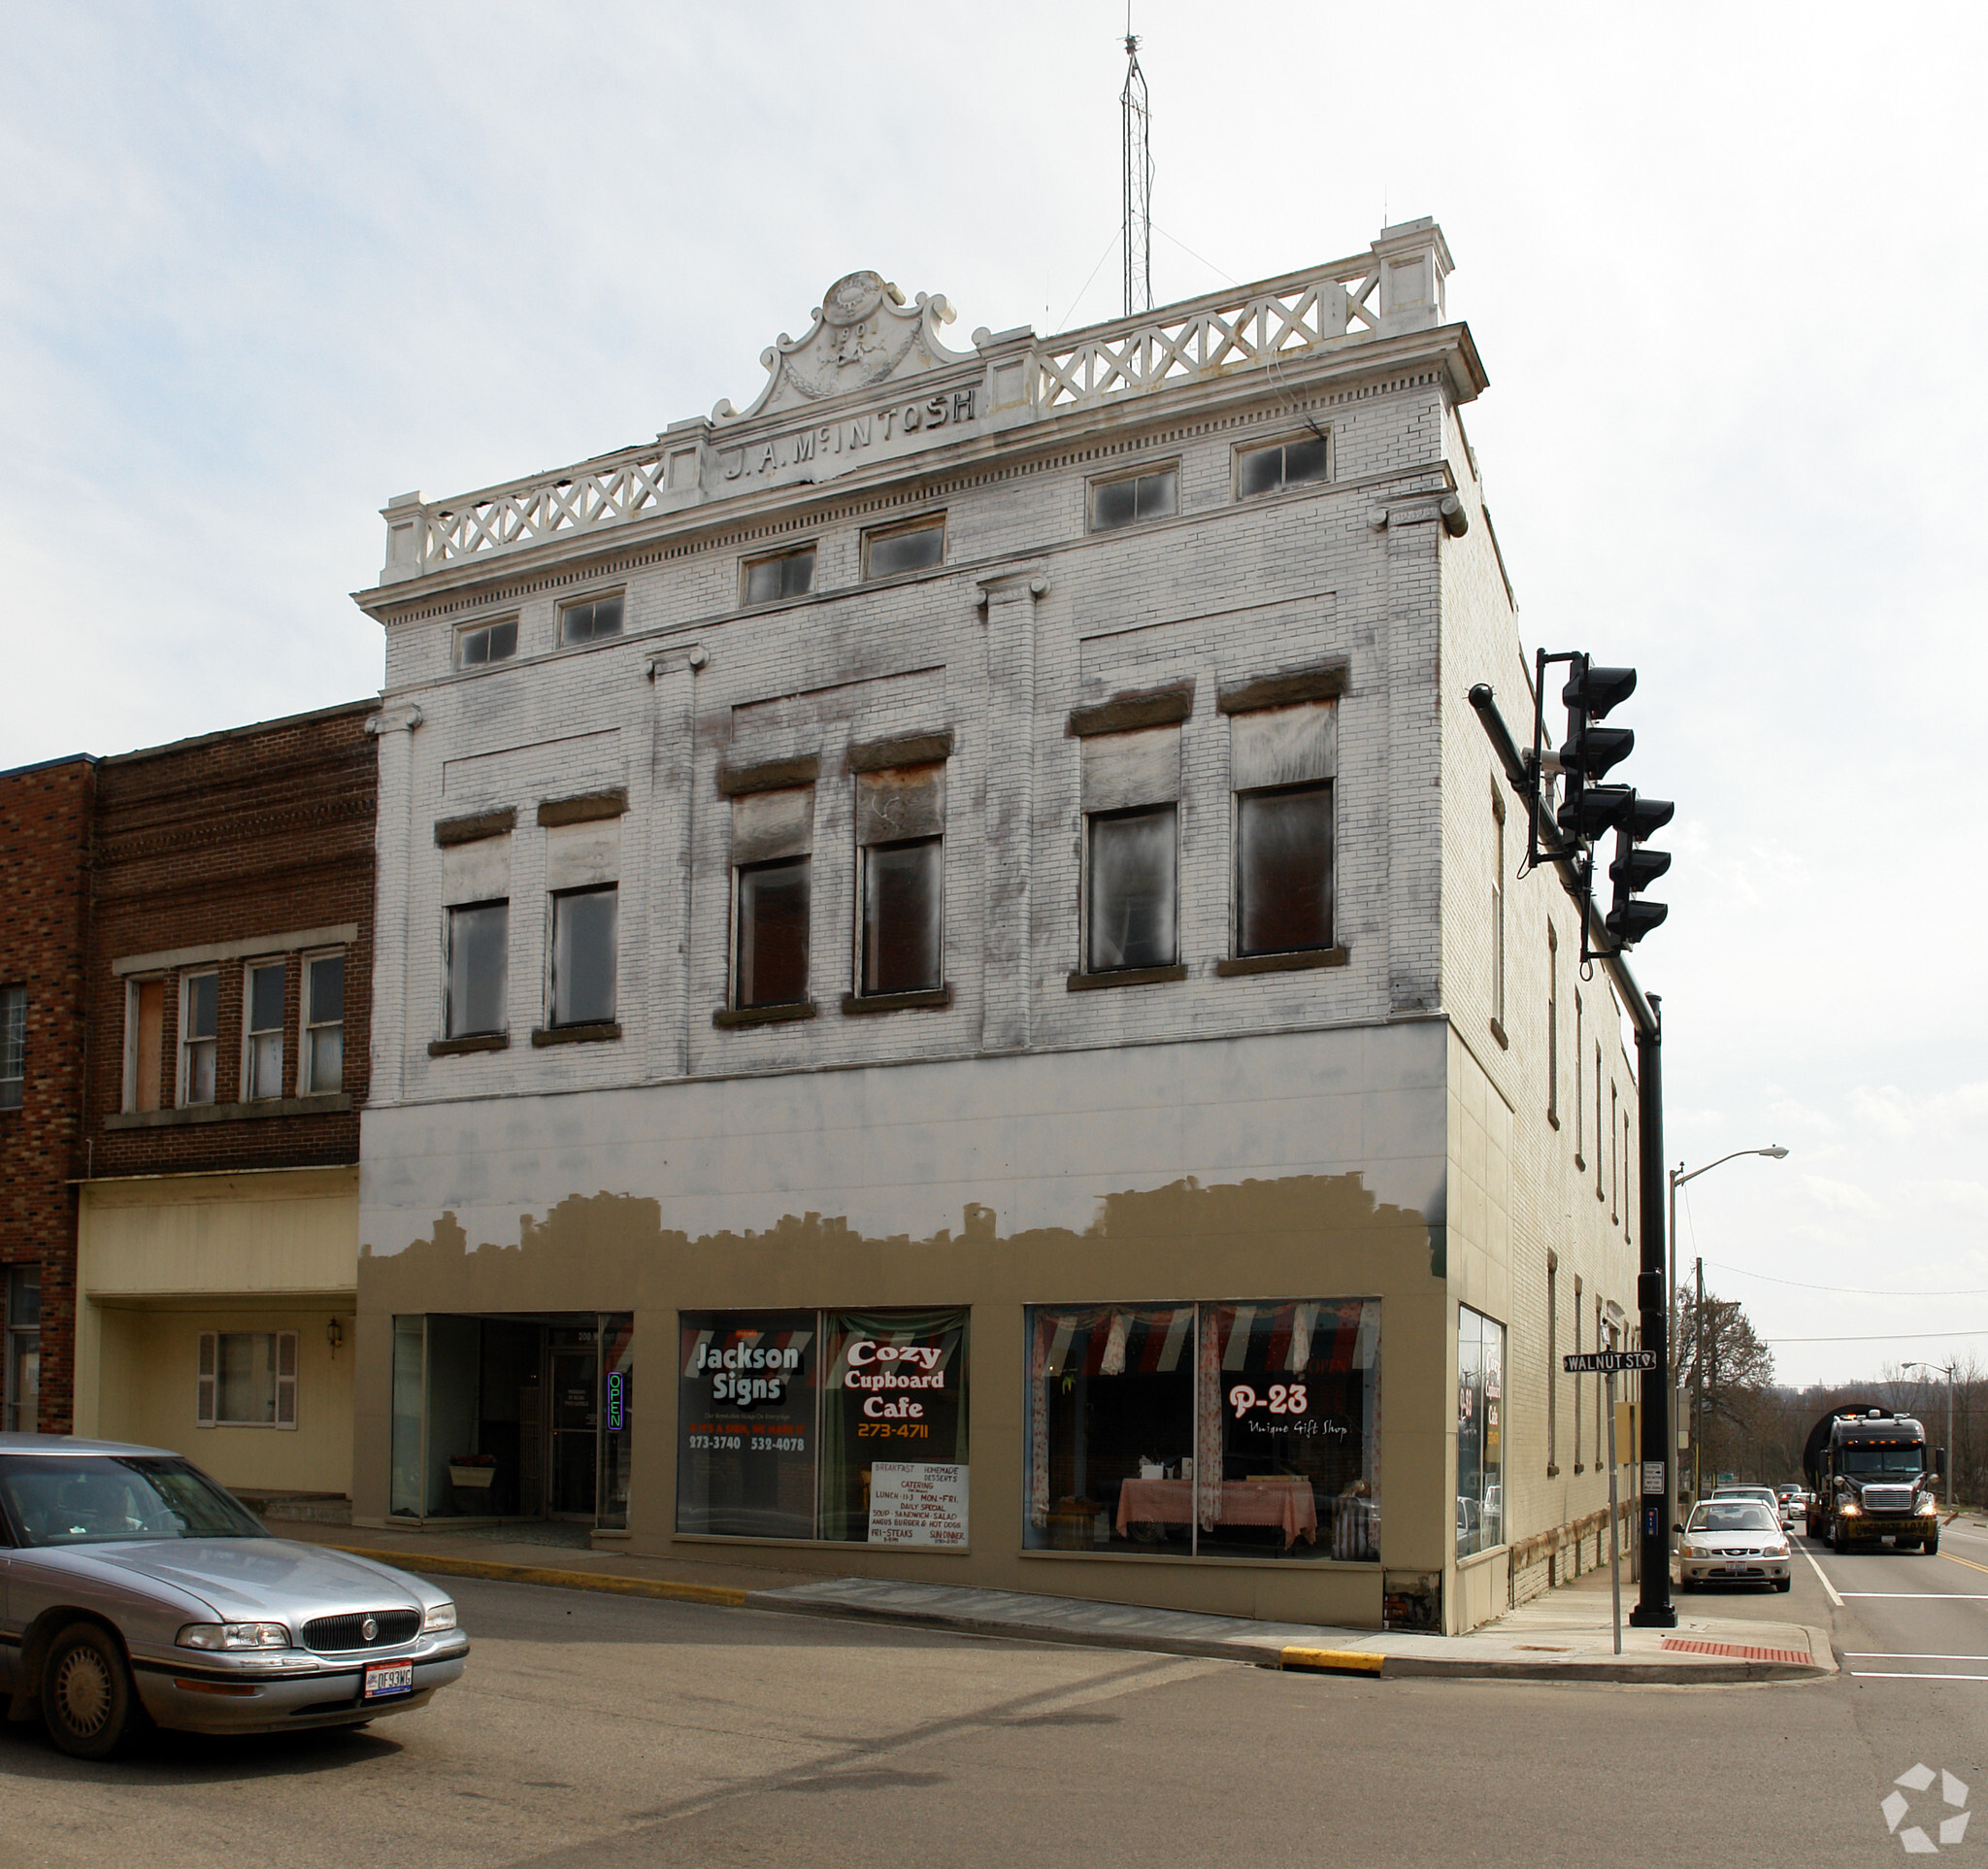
x=264 y=1259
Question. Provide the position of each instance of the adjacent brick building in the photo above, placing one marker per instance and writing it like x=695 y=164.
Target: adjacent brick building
x=230 y=975
x=45 y=842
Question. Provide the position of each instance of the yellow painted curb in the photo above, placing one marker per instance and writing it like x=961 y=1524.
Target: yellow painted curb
x=445 y=1566
x=1330 y=1660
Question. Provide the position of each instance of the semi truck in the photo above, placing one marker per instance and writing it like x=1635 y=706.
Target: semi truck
x=1871 y=1478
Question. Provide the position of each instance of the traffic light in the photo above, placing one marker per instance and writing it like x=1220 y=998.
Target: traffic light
x=1628 y=920
x=1588 y=809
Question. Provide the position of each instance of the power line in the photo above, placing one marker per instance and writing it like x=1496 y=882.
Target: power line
x=1852 y=1291
x=1882 y=1337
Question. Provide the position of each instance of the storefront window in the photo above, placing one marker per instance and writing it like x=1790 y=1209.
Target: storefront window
x=796 y=1423
x=617 y=1418
x=896 y=1393
x=1111 y=1454
x=1236 y=1431
x=1479 y=1433
x=746 y=1407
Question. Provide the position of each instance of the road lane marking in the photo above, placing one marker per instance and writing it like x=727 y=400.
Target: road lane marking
x=1888 y=1654
x=1875 y=1673
x=1924 y=1596
x=1826 y=1583
x=1968 y=1561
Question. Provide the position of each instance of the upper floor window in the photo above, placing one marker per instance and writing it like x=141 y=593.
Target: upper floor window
x=13 y=1045
x=583 y=955
x=325 y=1023
x=199 y=1031
x=784 y=574
x=262 y=1034
x=1154 y=494
x=903 y=547
x=1131 y=850
x=899 y=825
x=1268 y=470
x=485 y=642
x=772 y=837
x=144 y=1008
x=478 y=956
x=590 y=619
x=1281 y=763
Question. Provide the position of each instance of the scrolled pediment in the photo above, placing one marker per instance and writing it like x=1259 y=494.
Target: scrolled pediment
x=864 y=334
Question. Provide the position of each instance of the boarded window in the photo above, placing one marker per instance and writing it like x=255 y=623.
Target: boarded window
x=147 y=1005
x=787 y=574
x=1134 y=497
x=584 y=953
x=477 y=956
x=773 y=932
x=199 y=1025
x=264 y=1037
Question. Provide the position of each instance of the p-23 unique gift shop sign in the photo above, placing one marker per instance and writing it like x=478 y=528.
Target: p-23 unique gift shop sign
x=915 y=1502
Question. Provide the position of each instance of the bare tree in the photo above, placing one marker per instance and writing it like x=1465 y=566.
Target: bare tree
x=1743 y=1428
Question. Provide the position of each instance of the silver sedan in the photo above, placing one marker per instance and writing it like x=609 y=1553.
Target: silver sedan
x=134 y=1589
x=1734 y=1540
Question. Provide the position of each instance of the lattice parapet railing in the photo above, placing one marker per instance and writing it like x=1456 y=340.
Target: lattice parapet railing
x=1009 y=380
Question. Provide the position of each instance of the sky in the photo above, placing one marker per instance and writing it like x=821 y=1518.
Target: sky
x=261 y=268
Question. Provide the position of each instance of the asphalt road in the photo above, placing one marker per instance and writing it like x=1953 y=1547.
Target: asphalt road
x=595 y=1729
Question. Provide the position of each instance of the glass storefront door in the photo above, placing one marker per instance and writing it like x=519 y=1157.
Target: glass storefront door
x=574 y=1395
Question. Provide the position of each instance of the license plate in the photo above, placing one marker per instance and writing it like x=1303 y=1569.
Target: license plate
x=388 y=1678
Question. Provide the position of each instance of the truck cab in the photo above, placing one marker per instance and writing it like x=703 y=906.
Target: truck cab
x=1873 y=1479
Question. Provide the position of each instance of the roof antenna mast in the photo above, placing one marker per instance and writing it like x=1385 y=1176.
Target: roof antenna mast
x=1137 y=168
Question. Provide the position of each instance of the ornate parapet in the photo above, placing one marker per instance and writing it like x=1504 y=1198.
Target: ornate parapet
x=871 y=380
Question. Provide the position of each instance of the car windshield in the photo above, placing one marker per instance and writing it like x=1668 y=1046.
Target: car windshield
x=102 y=1498
x=1865 y=1461
x=1731 y=1515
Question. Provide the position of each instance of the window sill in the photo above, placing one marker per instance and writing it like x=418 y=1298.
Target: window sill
x=1579 y=1468
x=1484 y=1557
x=729 y=1017
x=1285 y=963
x=1124 y=977
x=470 y=1042
x=926 y=998
x=1497 y=1032
x=1552 y=1472
x=601 y=1032
x=331 y=1103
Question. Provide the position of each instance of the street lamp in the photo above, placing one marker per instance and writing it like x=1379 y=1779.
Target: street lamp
x=1947 y=1370
x=1677 y=1177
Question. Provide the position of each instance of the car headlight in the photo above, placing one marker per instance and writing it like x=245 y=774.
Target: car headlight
x=1927 y=1503
x=438 y=1615
x=1775 y=1551
x=1849 y=1509
x=234 y=1635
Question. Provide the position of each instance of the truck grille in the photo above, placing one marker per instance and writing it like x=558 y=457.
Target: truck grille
x=335 y=1634
x=1887 y=1498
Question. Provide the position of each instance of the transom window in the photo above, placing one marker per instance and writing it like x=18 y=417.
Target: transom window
x=489 y=643
x=592 y=619
x=903 y=547
x=1125 y=501
x=1268 y=470
x=786 y=574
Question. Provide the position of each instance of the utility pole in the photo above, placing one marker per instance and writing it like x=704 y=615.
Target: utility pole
x=1697 y=1389
x=1947 y=1370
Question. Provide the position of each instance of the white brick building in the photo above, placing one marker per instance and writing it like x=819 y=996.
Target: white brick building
x=981 y=866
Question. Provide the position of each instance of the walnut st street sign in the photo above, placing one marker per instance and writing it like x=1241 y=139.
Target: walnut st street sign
x=1609 y=1362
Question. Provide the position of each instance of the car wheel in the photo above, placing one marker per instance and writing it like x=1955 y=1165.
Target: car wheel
x=88 y=1702
x=1784 y=1584
x=1837 y=1542
x=1932 y=1544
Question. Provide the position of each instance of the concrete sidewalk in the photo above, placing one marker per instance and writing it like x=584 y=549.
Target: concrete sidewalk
x=1564 y=1635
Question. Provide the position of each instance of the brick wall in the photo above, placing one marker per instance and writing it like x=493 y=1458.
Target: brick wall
x=45 y=832
x=261 y=831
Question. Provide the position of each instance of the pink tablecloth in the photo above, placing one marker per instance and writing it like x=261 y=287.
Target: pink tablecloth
x=1244 y=1502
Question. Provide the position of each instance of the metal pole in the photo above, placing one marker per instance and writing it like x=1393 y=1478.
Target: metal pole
x=1676 y=1326
x=1653 y=1609
x=1615 y=1521
x=1697 y=1389
x=1949 y=1437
